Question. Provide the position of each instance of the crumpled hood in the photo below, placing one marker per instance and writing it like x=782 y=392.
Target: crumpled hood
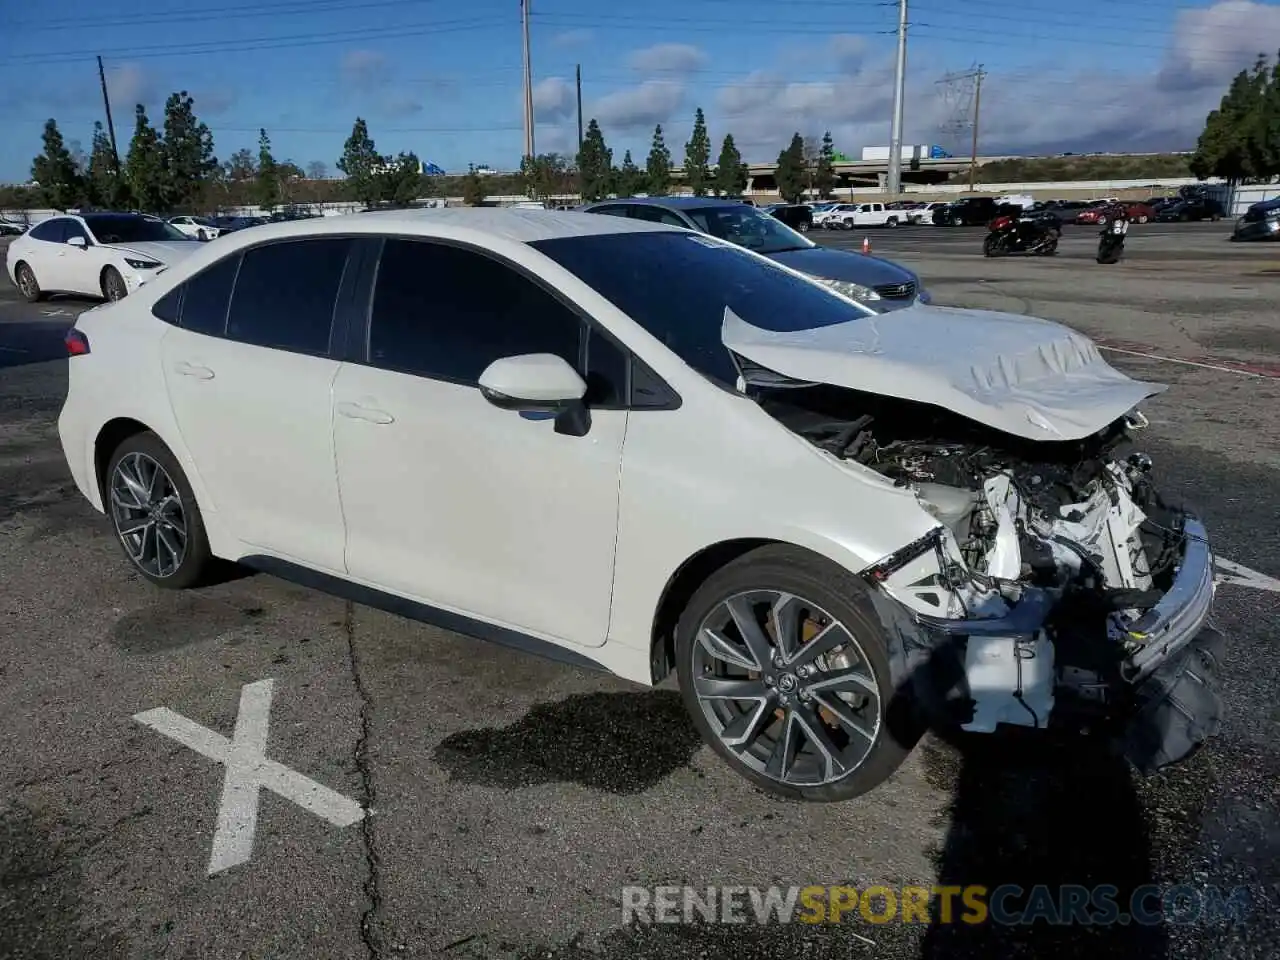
x=1023 y=375
x=167 y=252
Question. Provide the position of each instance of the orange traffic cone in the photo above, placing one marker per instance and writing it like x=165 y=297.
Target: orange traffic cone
x=866 y=244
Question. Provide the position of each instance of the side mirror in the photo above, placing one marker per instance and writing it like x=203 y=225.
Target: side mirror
x=538 y=383
x=77 y=242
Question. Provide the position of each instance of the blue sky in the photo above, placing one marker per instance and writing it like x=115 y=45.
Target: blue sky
x=442 y=77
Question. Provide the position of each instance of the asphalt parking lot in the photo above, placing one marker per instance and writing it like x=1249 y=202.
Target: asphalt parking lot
x=502 y=802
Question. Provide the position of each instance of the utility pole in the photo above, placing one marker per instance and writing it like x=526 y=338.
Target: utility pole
x=893 y=179
x=111 y=127
x=528 y=81
x=578 y=74
x=977 y=106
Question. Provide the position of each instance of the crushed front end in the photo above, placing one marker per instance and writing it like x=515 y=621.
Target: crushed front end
x=1058 y=589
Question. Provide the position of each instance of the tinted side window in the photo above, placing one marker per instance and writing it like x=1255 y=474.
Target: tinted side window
x=617 y=210
x=285 y=293
x=606 y=368
x=657 y=215
x=73 y=229
x=49 y=231
x=441 y=311
x=168 y=307
x=207 y=296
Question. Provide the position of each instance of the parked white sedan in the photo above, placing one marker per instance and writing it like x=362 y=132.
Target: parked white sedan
x=108 y=255
x=651 y=450
x=197 y=227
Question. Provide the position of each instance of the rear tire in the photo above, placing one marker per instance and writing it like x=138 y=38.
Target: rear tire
x=826 y=721
x=28 y=286
x=154 y=514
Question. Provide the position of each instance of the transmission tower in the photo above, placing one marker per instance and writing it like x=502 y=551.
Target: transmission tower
x=962 y=94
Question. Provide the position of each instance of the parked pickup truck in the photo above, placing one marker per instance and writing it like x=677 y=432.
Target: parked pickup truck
x=846 y=216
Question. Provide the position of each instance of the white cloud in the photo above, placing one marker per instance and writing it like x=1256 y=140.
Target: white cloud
x=679 y=59
x=572 y=38
x=636 y=108
x=554 y=99
x=365 y=69
x=1023 y=111
x=129 y=84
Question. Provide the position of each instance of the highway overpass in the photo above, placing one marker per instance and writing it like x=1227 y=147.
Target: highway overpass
x=866 y=173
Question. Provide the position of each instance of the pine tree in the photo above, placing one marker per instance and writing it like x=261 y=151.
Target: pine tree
x=629 y=178
x=658 y=166
x=595 y=164
x=187 y=154
x=266 y=187
x=791 y=170
x=361 y=163
x=144 y=166
x=401 y=179
x=61 y=187
x=473 y=191
x=1223 y=147
x=697 y=152
x=824 y=174
x=731 y=172
x=105 y=186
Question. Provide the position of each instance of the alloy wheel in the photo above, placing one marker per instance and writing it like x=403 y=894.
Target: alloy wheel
x=116 y=290
x=148 y=513
x=786 y=687
x=27 y=282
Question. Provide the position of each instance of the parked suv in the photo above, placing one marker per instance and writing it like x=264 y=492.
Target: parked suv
x=797 y=216
x=881 y=284
x=968 y=212
x=653 y=451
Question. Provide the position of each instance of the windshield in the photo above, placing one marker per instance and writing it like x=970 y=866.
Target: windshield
x=677 y=285
x=126 y=229
x=748 y=227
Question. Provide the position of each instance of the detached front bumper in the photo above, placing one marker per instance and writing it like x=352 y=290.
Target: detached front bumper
x=1167 y=701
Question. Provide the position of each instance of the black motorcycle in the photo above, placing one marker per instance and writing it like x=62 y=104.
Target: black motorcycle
x=1013 y=234
x=1111 y=239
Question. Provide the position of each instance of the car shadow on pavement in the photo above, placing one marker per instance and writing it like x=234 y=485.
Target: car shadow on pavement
x=1036 y=816
x=588 y=739
x=34 y=341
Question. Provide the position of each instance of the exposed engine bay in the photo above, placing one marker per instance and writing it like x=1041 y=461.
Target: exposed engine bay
x=1050 y=557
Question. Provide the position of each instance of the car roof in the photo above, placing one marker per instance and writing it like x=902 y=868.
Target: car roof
x=680 y=203
x=519 y=225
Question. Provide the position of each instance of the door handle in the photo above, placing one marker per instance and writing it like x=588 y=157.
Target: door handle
x=356 y=411
x=193 y=370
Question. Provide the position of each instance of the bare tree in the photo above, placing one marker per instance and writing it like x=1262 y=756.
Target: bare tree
x=812 y=153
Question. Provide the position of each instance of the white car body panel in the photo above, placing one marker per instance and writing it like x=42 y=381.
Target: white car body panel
x=1032 y=378
x=260 y=423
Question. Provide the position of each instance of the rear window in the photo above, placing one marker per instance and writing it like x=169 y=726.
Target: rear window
x=677 y=286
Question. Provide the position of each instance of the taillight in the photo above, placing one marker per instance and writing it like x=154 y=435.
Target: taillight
x=77 y=343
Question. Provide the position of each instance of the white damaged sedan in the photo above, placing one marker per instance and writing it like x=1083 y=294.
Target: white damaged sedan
x=635 y=447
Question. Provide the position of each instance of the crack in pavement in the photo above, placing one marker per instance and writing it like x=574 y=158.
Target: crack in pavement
x=372 y=887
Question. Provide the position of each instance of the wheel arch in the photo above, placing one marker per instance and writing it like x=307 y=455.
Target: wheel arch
x=111 y=434
x=684 y=583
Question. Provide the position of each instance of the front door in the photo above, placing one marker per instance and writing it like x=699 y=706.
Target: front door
x=452 y=501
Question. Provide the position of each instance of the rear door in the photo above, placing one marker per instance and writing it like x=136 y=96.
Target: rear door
x=249 y=373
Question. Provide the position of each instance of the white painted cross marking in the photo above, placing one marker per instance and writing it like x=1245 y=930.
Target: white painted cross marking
x=248 y=770
x=1241 y=576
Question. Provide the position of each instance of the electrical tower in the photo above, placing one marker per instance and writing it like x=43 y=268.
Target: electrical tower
x=962 y=94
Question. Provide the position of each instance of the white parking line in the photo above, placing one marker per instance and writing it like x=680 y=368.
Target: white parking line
x=1190 y=363
x=1242 y=576
x=247 y=771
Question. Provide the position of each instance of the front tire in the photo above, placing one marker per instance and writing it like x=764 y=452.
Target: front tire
x=154 y=514
x=784 y=669
x=113 y=285
x=201 y=235
x=27 y=284
x=892 y=222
